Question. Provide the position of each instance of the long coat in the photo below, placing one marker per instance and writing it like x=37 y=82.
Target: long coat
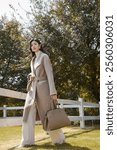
x=40 y=88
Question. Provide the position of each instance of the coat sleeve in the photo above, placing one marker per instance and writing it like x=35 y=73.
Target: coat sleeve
x=49 y=73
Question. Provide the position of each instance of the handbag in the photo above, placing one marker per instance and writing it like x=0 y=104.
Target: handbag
x=56 y=118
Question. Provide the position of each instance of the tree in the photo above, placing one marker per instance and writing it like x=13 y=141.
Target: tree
x=69 y=30
x=12 y=66
x=14 y=62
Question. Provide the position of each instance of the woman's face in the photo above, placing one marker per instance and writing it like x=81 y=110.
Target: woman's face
x=35 y=46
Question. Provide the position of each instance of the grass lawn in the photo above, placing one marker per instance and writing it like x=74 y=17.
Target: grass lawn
x=76 y=139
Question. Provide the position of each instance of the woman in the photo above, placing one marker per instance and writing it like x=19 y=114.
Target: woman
x=41 y=94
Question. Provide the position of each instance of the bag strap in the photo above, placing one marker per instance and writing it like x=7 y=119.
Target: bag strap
x=54 y=105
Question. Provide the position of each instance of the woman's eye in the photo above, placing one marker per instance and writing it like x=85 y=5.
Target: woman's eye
x=35 y=43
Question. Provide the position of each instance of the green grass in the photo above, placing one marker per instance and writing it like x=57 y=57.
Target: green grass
x=76 y=139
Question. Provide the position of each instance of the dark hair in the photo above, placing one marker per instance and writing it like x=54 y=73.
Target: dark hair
x=41 y=48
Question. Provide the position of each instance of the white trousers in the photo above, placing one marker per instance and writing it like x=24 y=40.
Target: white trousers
x=28 y=130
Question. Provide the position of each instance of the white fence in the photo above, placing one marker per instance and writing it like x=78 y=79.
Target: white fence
x=64 y=103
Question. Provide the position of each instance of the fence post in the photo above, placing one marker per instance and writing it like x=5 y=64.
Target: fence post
x=81 y=111
x=4 y=111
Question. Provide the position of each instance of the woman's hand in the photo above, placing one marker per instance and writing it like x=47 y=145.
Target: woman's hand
x=54 y=97
x=32 y=78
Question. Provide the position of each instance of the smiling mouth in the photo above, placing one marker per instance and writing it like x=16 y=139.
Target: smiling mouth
x=34 y=48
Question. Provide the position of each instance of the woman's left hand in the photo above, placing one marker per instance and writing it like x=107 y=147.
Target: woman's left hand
x=54 y=97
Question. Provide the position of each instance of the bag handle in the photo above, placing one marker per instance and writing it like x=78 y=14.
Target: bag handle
x=54 y=104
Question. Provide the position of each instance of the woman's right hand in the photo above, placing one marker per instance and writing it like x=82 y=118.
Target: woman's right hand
x=54 y=97
x=30 y=77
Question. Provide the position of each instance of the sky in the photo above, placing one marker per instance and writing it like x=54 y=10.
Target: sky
x=21 y=6
x=6 y=10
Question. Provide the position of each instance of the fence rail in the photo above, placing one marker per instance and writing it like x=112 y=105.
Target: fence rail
x=64 y=103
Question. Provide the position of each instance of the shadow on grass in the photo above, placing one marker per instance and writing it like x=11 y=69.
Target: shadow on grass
x=64 y=146
x=48 y=146
x=77 y=133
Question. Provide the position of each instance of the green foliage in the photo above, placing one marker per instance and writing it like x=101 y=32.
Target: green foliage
x=14 y=63
x=69 y=30
x=12 y=66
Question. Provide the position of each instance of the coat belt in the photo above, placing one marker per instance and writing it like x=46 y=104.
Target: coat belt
x=37 y=79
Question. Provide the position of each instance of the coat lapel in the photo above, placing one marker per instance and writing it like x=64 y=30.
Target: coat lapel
x=37 y=61
x=32 y=92
x=32 y=66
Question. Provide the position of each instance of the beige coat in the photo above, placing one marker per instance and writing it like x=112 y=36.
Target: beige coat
x=40 y=88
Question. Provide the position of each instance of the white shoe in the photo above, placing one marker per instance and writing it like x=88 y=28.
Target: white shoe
x=59 y=143
x=21 y=145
